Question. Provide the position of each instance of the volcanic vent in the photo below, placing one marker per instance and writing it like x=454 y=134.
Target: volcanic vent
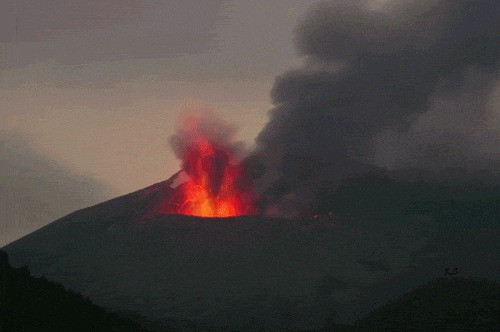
x=213 y=182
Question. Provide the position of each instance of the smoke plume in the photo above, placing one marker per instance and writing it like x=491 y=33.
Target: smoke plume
x=217 y=184
x=371 y=76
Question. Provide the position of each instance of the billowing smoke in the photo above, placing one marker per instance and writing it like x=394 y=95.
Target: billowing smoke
x=376 y=78
x=203 y=124
x=216 y=183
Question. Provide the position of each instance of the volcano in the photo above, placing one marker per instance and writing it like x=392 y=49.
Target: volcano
x=212 y=185
x=213 y=181
x=248 y=271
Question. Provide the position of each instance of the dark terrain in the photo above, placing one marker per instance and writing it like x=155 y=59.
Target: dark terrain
x=447 y=304
x=384 y=238
x=453 y=304
x=37 y=304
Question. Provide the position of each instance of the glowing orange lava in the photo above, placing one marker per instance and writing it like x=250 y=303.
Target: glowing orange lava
x=216 y=186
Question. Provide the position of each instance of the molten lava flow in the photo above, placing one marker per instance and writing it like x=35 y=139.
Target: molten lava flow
x=216 y=184
x=213 y=189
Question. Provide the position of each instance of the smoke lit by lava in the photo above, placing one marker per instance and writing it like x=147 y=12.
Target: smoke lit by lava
x=215 y=181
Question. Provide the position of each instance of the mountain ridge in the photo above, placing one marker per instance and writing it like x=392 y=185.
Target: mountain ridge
x=254 y=270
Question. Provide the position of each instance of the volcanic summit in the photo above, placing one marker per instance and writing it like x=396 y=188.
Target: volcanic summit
x=213 y=182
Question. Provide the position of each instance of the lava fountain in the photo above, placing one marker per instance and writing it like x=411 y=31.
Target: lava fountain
x=215 y=183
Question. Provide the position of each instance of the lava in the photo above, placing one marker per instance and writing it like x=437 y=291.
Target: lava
x=216 y=184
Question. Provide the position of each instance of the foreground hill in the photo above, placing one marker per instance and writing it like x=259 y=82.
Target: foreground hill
x=451 y=304
x=37 y=304
x=252 y=272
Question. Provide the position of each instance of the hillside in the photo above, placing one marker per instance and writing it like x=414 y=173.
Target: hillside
x=37 y=304
x=451 y=304
x=257 y=272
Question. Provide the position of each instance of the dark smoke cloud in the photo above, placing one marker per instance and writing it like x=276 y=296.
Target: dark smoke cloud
x=460 y=129
x=369 y=70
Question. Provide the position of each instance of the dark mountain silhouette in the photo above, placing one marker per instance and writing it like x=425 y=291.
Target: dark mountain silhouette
x=256 y=272
x=37 y=304
x=447 y=304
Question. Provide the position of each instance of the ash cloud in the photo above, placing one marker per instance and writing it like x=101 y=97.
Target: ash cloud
x=459 y=129
x=204 y=125
x=370 y=71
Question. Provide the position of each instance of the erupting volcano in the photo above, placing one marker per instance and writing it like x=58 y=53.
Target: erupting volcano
x=215 y=182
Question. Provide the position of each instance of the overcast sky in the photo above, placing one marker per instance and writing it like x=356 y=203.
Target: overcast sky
x=98 y=86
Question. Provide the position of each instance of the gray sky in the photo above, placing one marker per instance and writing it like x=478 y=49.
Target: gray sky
x=35 y=190
x=90 y=92
x=98 y=87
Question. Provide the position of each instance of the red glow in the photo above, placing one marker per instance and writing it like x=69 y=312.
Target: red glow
x=216 y=185
x=213 y=189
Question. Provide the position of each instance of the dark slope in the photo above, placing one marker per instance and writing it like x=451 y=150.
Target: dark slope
x=451 y=304
x=250 y=271
x=37 y=304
